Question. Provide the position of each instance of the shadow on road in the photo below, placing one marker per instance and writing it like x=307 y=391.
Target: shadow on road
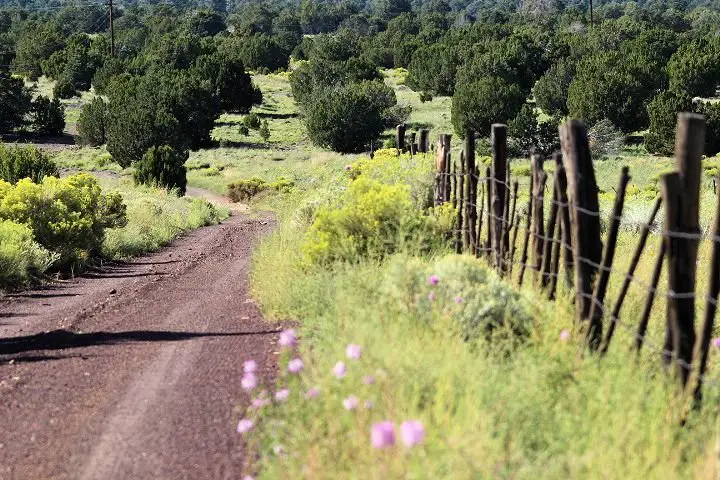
x=65 y=339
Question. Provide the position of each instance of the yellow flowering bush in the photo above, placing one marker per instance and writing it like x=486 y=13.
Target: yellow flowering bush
x=67 y=216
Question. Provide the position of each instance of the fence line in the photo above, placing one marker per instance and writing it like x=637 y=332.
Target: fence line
x=489 y=224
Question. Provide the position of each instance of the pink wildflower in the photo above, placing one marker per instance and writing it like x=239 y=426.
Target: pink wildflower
x=312 y=392
x=369 y=404
x=433 y=280
x=458 y=299
x=382 y=434
x=249 y=382
x=716 y=342
x=282 y=395
x=368 y=379
x=295 y=365
x=351 y=402
x=412 y=433
x=288 y=338
x=348 y=168
x=245 y=425
x=250 y=366
x=260 y=402
x=431 y=295
x=353 y=351
x=564 y=335
x=340 y=370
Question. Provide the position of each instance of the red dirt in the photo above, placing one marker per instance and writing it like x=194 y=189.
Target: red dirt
x=134 y=371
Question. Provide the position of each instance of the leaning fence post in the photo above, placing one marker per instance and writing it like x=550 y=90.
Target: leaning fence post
x=598 y=300
x=584 y=219
x=703 y=343
x=413 y=145
x=400 y=138
x=511 y=221
x=628 y=278
x=499 y=170
x=538 y=227
x=549 y=240
x=524 y=254
x=681 y=192
x=564 y=213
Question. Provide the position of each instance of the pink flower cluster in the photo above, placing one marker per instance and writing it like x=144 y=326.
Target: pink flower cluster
x=382 y=434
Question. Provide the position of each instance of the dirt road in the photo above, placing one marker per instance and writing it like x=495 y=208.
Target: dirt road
x=133 y=372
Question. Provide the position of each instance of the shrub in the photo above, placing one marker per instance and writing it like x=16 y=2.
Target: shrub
x=264 y=131
x=346 y=118
x=15 y=99
x=663 y=110
x=17 y=163
x=246 y=190
x=67 y=216
x=426 y=96
x=21 y=258
x=244 y=130
x=479 y=103
x=163 y=167
x=92 y=124
x=374 y=220
x=712 y=116
x=528 y=135
x=64 y=88
x=252 y=121
x=605 y=140
x=482 y=305
x=47 y=116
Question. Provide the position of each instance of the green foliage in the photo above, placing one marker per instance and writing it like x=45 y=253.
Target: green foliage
x=92 y=123
x=21 y=258
x=252 y=121
x=712 y=135
x=695 y=68
x=244 y=130
x=234 y=87
x=67 y=216
x=112 y=68
x=609 y=86
x=47 y=116
x=246 y=190
x=74 y=66
x=17 y=163
x=605 y=140
x=346 y=118
x=39 y=40
x=15 y=102
x=258 y=51
x=373 y=220
x=64 y=89
x=551 y=90
x=528 y=135
x=170 y=108
x=663 y=110
x=477 y=104
x=264 y=131
x=164 y=167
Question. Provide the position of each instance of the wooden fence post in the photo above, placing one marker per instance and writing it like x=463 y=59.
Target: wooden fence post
x=460 y=206
x=598 y=300
x=549 y=240
x=631 y=271
x=470 y=191
x=564 y=212
x=487 y=249
x=413 y=145
x=511 y=222
x=528 y=216
x=400 y=138
x=703 y=343
x=499 y=191
x=554 y=266
x=538 y=212
x=681 y=193
x=423 y=142
x=585 y=220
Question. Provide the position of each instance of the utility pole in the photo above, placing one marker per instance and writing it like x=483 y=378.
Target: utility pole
x=112 y=29
x=592 y=22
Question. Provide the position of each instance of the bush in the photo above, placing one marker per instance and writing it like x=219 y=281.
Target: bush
x=246 y=190
x=163 y=167
x=67 y=216
x=374 y=220
x=605 y=140
x=15 y=99
x=252 y=121
x=712 y=116
x=17 y=163
x=346 y=118
x=264 y=131
x=528 y=135
x=21 y=258
x=244 y=130
x=479 y=103
x=663 y=110
x=92 y=124
x=47 y=116
x=64 y=89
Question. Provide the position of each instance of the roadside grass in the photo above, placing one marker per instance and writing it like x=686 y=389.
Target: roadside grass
x=155 y=217
x=497 y=408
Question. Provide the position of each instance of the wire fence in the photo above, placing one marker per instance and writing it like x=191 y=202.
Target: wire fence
x=560 y=225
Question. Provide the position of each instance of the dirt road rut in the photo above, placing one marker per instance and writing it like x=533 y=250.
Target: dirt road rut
x=133 y=372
